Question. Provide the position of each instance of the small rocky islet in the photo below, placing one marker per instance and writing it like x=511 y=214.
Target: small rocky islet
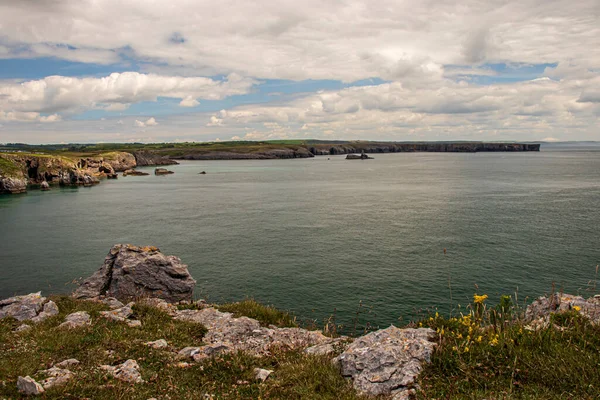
x=386 y=362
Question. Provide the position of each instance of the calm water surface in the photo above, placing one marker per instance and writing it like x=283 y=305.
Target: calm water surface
x=319 y=236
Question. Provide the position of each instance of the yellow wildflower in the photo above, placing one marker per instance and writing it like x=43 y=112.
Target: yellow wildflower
x=494 y=342
x=479 y=299
x=454 y=348
x=577 y=308
x=459 y=336
x=479 y=339
x=466 y=349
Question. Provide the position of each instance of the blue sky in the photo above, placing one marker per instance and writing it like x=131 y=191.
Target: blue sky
x=361 y=70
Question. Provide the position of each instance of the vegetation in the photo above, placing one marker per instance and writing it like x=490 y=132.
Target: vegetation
x=297 y=376
x=492 y=353
x=9 y=168
x=266 y=315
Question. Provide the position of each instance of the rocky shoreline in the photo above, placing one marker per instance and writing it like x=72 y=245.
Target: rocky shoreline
x=386 y=362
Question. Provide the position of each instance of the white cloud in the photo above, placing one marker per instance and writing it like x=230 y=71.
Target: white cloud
x=149 y=122
x=348 y=40
x=114 y=92
x=189 y=101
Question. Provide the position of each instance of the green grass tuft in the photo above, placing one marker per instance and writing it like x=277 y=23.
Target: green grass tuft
x=266 y=315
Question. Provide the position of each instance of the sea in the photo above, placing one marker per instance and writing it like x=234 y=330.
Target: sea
x=359 y=244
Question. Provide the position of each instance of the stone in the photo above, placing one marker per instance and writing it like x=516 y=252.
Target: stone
x=13 y=185
x=28 y=386
x=162 y=171
x=129 y=371
x=112 y=303
x=66 y=364
x=56 y=376
x=261 y=374
x=76 y=320
x=122 y=314
x=388 y=361
x=539 y=311
x=131 y=272
x=23 y=328
x=202 y=173
x=50 y=309
x=157 y=344
x=227 y=333
x=335 y=346
x=162 y=305
x=44 y=186
x=134 y=172
x=22 y=308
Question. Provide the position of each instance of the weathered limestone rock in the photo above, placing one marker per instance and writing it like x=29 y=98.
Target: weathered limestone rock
x=157 y=344
x=162 y=305
x=44 y=186
x=134 y=172
x=130 y=272
x=112 y=303
x=23 y=328
x=28 y=386
x=55 y=376
x=12 y=185
x=262 y=374
x=162 y=171
x=335 y=346
x=226 y=333
x=22 y=307
x=50 y=309
x=129 y=371
x=148 y=158
x=122 y=314
x=541 y=308
x=76 y=320
x=388 y=361
x=68 y=363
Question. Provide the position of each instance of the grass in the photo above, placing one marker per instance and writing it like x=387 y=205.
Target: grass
x=491 y=353
x=9 y=169
x=296 y=376
x=266 y=315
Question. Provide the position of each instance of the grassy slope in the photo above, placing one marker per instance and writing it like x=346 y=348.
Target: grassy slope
x=8 y=168
x=296 y=376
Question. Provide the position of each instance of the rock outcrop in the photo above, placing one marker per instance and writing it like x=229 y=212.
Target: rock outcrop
x=129 y=371
x=227 y=333
x=146 y=158
x=134 y=172
x=76 y=320
x=31 y=307
x=543 y=307
x=162 y=171
x=13 y=185
x=388 y=361
x=28 y=386
x=130 y=272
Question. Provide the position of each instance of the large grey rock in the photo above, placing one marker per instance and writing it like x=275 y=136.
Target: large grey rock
x=131 y=272
x=541 y=308
x=13 y=185
x=226 y=333
x=28 y=386
x=50 y=309
x=388 y=361
x=22 y=308
x=55 y=376
x=122 y=314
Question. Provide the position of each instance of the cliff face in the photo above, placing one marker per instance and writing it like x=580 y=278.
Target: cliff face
x=146 y=158
x=459 y=147
x=283 y=153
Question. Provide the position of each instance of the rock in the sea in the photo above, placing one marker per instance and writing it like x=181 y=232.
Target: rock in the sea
x=388 y=361
x=22 y=307
x=202 y=173
x=44 y=186
x=134 y=172
x=129 y=371
x=76 y=320
x=28 y=386
x=12 y=185
x=162 y=171
x=541 y=308
x=261 y=374
x=131 y=272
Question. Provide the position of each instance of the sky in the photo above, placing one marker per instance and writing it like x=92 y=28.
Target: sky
x=80 y=71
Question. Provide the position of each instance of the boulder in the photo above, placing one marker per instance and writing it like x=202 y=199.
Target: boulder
x=76 y=320
x=261 y=374
x=12 y=185
x=22 y=308
x=162 y=171
x=134 y=172
x=388 y=361
x=44 y=186
x=131 y=272
x=122 y=314
x=157 y=344
x=28 y=386
x=129 y=371
x=68 y=363
x=55 y=376
x=50 y=309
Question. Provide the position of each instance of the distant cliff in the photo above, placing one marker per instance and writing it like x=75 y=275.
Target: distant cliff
x=439 y=147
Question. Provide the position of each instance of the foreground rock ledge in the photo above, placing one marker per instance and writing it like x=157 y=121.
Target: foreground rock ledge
x=130 y=272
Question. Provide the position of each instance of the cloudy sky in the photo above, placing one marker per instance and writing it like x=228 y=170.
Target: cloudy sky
x=183 y=70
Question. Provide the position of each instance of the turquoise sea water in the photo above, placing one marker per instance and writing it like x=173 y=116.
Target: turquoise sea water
x=319 y=236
